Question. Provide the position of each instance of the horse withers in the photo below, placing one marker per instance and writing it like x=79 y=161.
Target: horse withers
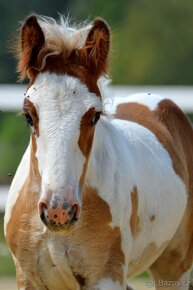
x=104 y=190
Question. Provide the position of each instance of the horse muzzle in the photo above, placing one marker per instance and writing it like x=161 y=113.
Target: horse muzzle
x=58 y=213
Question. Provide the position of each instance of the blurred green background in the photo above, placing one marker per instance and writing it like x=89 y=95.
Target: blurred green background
x=152 y=39
x=152 y=44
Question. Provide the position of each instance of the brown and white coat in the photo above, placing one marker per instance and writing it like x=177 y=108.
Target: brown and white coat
x=127 y=178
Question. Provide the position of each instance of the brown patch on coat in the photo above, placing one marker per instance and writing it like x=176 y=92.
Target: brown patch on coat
x=86 y=132
x=28 y=107
x=134 y=219
x=93 y=243
x=86 y=63
x=174 y=131
x=26 y=205
x=152 y=217
x=86 y=140
x=145 y=259
x=159 y=124
x=101 y=243
x=178 y=256
x=20 y=225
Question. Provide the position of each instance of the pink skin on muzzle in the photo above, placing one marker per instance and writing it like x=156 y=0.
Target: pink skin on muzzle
x=58 y=211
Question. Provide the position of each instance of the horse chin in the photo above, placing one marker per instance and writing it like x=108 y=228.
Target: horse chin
x=66 y=227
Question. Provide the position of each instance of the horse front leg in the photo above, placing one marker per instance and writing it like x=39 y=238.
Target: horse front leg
x=108 y=284
x=129 y=287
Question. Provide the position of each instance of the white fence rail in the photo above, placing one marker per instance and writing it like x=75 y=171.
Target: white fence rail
x=11 y=99
x=11 y=96
x=3 y=197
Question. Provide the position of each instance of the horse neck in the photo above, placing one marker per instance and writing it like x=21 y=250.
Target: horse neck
x=103 y=159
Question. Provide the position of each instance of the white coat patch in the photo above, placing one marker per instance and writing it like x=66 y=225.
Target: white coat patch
x=149 y=100
x=108 y=284
x=60 y=101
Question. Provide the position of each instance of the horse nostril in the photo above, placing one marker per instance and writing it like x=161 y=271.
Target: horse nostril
x=42 y=205
x=42 y=211
x=63 y=215
x=74 y=212
x=43 y=218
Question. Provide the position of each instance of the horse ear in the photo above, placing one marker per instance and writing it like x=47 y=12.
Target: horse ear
x=31 y=42
x=96 y=47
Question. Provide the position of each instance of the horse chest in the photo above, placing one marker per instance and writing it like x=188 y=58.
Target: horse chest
x=83 y=257
x=65 y=263
x=53 y=265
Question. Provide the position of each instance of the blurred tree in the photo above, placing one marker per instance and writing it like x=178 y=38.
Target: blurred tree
x=152 y=39
x=152 y=44
x=113 y=11
x=155 y=43
x=12 y=12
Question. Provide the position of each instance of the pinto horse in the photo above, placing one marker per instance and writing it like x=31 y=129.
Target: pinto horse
x=105 y=188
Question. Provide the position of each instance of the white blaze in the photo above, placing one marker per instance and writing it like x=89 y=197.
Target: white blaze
x=60 y=101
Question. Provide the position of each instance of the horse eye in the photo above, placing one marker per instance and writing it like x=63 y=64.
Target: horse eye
x=29 y=119
x=96 y=118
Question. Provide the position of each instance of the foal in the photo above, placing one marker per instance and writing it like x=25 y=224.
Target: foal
x=100 y=195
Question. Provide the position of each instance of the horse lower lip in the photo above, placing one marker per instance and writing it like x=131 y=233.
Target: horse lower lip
x=52 y=226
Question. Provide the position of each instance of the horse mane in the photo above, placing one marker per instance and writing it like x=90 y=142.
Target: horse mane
x=107 y=95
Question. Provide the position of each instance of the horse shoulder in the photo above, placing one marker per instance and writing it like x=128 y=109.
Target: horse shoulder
x=174 y=132
x=181 y=130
